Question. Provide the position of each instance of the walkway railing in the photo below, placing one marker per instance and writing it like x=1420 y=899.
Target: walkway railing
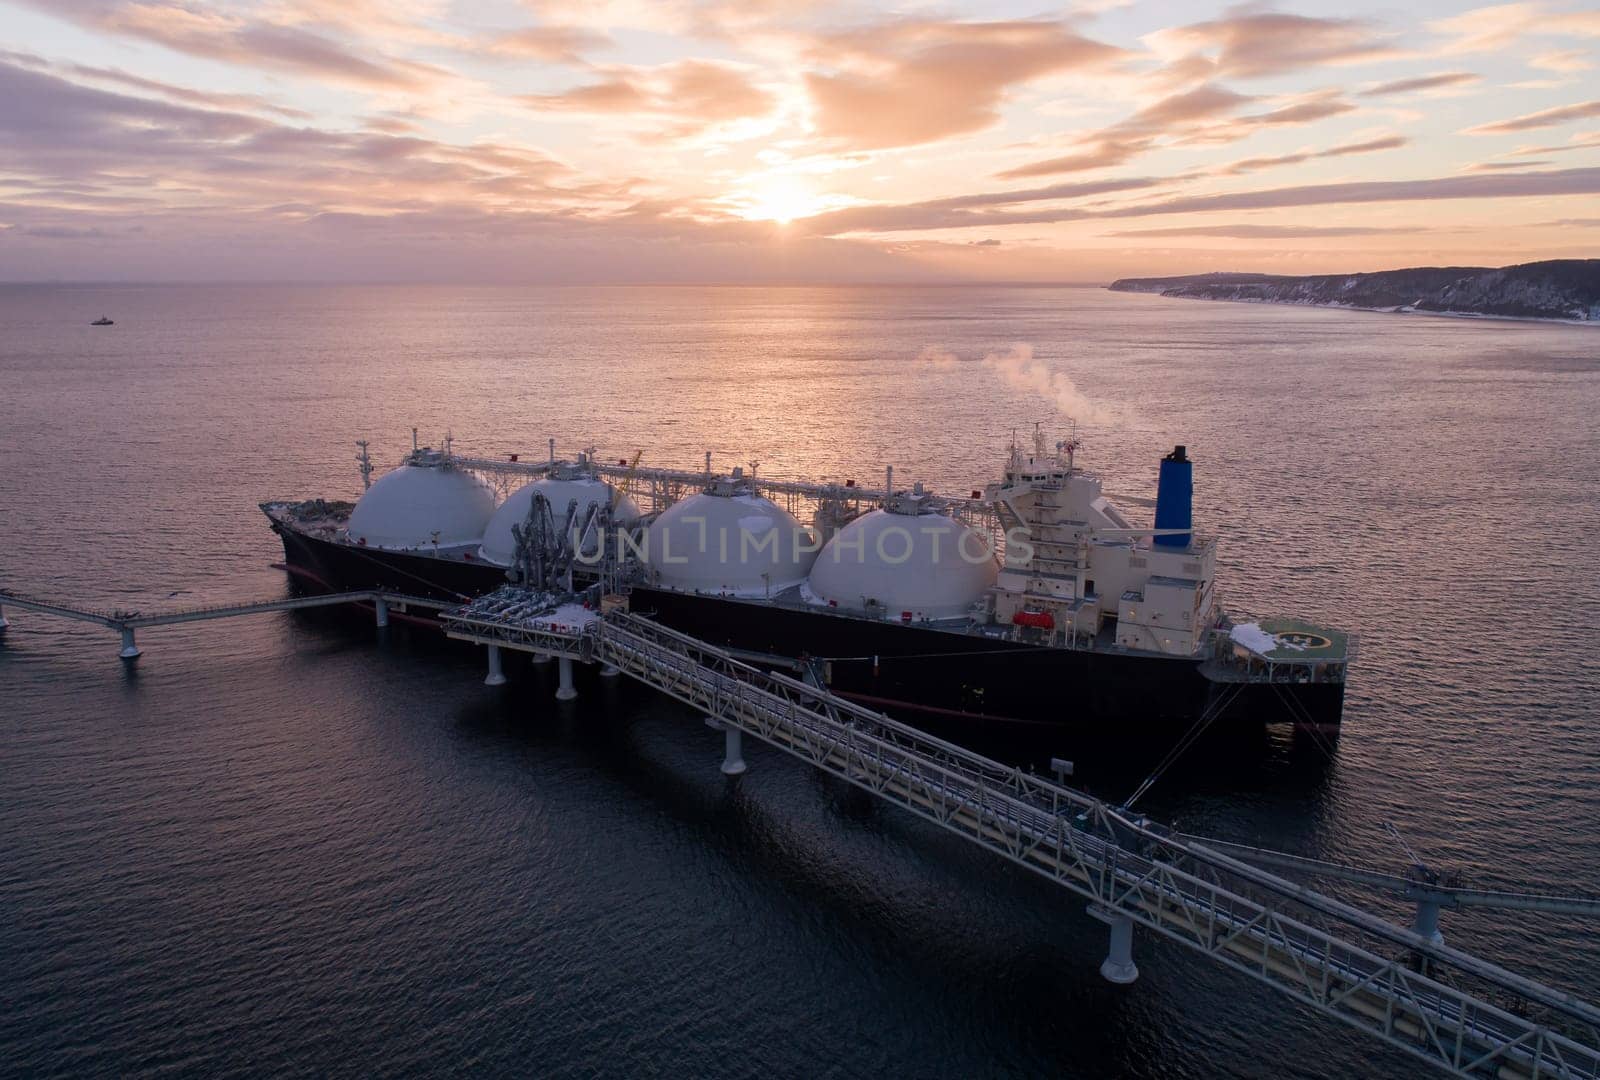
x=1456 y=1011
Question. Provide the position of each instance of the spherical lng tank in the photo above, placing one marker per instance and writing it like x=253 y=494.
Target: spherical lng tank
x=732 y=544
x=907 y=566
x=500 y=547
x=418 y=506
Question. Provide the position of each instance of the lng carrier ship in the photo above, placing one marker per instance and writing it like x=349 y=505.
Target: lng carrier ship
x=1035 y=603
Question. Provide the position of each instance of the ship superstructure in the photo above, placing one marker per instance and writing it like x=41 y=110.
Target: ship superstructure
x=1075 y=567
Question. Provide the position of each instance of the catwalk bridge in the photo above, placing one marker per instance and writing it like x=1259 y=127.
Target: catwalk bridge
x=1468 y=1016
x=126 y=622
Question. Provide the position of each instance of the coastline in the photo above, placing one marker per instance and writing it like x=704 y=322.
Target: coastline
x=1475 y=316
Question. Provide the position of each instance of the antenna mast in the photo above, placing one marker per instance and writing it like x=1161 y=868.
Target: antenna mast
x=366 y=464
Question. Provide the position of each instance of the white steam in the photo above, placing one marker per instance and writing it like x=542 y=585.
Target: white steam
x=1021 y=369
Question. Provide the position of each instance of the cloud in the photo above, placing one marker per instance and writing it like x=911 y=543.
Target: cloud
x=1563 y=60
x=1200 y=115
x=1367 y=146
x=981 y=210
x=215 y=35
x=322 y=121
x=1495 y=28
x=1584 y=140
x=1545 y=118
x=1422 y=82
x=1266 y=232
x=1129 y=138
x=172 y=92
x=959 y=211
x=57 y=232
x=75 y=146
x=692 y=96
x=552 y=44
x=1304 y=112
x=913 y=81
x=1493 y=166
x=1251 y=43
x=1564 y=182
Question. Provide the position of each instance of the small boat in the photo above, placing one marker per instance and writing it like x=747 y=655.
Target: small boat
x=102 y=321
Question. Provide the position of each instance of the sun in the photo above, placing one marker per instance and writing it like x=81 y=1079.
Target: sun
x=780 y=199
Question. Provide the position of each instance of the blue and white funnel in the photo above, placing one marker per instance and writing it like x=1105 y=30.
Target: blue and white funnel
x=1175 y=498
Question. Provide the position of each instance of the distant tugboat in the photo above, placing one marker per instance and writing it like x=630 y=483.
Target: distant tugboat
x=102 y=321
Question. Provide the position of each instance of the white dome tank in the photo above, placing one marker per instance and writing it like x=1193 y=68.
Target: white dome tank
x=500 y=547
x=417 y=505
x=730 y=541
x=908 y=565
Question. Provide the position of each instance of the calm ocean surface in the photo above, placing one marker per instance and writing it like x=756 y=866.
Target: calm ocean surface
x=281 y=845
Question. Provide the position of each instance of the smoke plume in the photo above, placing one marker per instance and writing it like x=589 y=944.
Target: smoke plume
x=1019 y=368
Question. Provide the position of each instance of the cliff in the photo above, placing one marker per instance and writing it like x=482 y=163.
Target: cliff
x=1566 y=289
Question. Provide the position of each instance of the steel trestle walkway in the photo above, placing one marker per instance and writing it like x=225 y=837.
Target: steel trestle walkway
x=1430 y=1000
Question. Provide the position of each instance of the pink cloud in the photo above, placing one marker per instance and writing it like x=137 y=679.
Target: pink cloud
x=1422 y=82
x=1250 y=43
x=1200 y=116
x=984 y=210
x=917 y=81
x=214 y=35
x=1545 y=118
x=1366 y=146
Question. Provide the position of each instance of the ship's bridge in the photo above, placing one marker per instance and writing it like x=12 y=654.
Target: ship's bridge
x=1077 y=566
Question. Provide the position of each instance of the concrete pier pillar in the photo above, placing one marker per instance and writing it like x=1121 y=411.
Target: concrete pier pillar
x=1118 y=967
x=566 y=692
x=733 y=751
x=380 y=608
x=1427 y=922
x=609 y=672
x=129 y=650
x=496 y=676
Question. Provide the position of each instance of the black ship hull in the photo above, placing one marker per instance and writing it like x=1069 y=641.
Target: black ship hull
x=965 y=683
x=322 y=565
x=964 y=687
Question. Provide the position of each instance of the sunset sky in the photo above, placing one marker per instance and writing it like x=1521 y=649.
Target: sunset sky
x=429 y=140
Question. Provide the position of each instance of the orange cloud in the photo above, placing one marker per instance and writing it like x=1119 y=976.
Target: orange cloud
x=1491 y=29
x=1563 y=60
x=917 y=81
x=691 y=95
x=552 y=44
